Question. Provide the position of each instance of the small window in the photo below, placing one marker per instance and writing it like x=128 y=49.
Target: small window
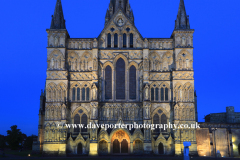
x=115 y=40
x=166 y=94
x=88 y=90
x=73 y=94
x=162 y=94
x=156 y=94
x=124 y=40
x=83 y=94
x=78 y=94
x=109 y=40
x=131 y=40
x=152 y=94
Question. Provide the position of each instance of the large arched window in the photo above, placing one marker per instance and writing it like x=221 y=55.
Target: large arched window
x=131 y=40
x=109 y=40
x=163 y=121
x=159 y=118
x=80 y=118
x=156 y=121
x=77 y=121
x=132 y=83
x=108 y=83
x=124 y=40
x=84 y=122
x=120 y=79
x=115 y=40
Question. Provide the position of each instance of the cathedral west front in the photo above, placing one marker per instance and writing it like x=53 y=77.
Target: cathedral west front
x=118 y=77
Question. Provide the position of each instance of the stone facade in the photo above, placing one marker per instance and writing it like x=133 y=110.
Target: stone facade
x=119 y=77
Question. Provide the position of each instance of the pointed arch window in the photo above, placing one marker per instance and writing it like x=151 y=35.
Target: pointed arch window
x=131 y=40
x=132 y=83
x=77 y=121
x=154 y=93
x=108 y=83
x=164 y=93
x=160 y=119
x=120 y=79
x=78 y=94
x=81 y=118
x=73 y=94
x=124 y=40
x=115 y=40
x=109 y=40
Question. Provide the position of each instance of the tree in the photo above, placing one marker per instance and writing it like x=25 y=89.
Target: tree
x=14 y=137
x=2 y=142
x=29 y=142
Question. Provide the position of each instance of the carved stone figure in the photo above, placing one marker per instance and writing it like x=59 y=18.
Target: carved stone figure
x=95 y=43
x=94 y=92
x=146 y=92
x=145 y=43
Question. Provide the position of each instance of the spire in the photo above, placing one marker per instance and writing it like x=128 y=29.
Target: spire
x=182 y=21
x=114 y=5
x=58 y=21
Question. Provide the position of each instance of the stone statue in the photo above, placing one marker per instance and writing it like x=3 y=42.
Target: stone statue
x=107 y=112
x=146 y=92
x=95 y=43
x=52 y=63
x=95 y=64
x=145 y=43
x=56 y=41
x=183 y=41
x=80 y=46
x=147 y=112
x=94 y=92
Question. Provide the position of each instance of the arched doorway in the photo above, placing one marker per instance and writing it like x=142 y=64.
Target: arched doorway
x=116 y=146
x=160 y=148
x=124 y=146
x=103 y=147
x=138 y=147
x=79 y=148
x=120 y=143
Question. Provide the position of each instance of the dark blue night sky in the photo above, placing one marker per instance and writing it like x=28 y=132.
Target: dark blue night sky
x=24 y=54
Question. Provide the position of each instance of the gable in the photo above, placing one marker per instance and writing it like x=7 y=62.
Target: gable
x=120 y=24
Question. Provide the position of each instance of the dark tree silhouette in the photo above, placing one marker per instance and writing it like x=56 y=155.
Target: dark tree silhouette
x=14 y=137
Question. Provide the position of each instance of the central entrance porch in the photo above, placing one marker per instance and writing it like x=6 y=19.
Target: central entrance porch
x=120 y=143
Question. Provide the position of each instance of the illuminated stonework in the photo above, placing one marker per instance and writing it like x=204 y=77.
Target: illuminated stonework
x=118 y=77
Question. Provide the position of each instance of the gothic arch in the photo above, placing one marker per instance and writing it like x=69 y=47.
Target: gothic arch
x=164 y=111
x=178 y=92
x=133 y=63
x=188 y=92
x=78 y=109
x=86 y=56
x=108 y=63
x=118 y=57
x=56 y=53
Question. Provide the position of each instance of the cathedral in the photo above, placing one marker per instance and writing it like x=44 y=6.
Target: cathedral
x=118 y=77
